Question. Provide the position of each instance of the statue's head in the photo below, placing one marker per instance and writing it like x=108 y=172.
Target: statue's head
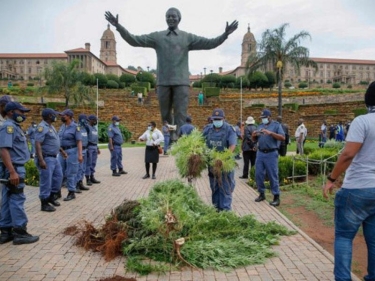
x=173 y=18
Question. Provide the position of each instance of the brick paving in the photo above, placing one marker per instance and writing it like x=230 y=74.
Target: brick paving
x=55 y=257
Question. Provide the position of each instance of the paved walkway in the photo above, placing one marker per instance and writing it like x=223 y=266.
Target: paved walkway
x=55 y=257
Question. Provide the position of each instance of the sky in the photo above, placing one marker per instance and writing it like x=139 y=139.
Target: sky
x=338 y=28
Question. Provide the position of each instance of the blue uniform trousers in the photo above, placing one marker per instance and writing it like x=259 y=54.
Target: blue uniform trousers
x=222 y=194
x=70 y=168
x=267 y=163
x=82 y=166
x=32 y=149
x=12 y=212
x=50 y=179
x=91 y=158
x=166 y=142
x=116 y=157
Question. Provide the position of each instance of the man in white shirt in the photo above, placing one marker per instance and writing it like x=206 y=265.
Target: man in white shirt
x=300 y=135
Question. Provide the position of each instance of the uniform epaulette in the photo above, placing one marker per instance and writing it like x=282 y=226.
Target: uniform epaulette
x=10 y=129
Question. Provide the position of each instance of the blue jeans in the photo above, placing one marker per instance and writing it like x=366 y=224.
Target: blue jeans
x=267 y=163
x=353 y=208
x=166 y=142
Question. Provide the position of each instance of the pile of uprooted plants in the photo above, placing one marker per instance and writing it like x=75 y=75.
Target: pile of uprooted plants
x=173 y=227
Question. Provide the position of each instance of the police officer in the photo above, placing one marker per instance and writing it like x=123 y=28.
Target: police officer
x=3 y=102
x=47 y=145
x=14 y=153
x=70 y=151
x=31 y=136
x=187 y=128
x=82 y=118
x=92 y=150
x=221 y=135
x=268 y=134
x=115 y=140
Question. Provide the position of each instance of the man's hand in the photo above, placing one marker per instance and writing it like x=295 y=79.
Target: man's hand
x=98 y=151
x=14 y=178
x=80 y=158
x=328 y=188
x=42 y=164
x=232 y=27
x=112 y=19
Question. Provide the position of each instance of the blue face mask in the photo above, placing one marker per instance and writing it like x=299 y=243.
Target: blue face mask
x=265 y=121
x=19 y=118
x=218 y=123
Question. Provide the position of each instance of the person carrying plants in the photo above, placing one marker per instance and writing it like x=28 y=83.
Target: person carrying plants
x=220 y=135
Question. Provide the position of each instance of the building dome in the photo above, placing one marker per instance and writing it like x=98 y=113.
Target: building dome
x=108 y=33
x=248 y=35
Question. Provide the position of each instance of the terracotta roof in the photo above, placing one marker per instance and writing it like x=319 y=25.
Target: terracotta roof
x=351 y=61
x=78 y=50
x=111 y=63
x=34 y=56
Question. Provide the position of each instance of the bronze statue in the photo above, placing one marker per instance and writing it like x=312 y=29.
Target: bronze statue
x=172 y=48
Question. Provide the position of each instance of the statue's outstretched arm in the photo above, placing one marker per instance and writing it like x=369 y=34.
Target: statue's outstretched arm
x=114 y=20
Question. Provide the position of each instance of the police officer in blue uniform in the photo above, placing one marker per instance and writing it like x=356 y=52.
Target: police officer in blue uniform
x=187 y=128
x=221 y=135
x=92 y=150
x=14 y=154
x=82 y=118
x=71 y=151
x=47 y=145
x=31 y=136
x=269 y=134
x=115 y=140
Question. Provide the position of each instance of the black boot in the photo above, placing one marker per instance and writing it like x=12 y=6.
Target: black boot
x=88 y=181
x=77 y=189
x=58 y=195
x=70 y=196
x=122 y=172
x=52 y=199
x=115 y=174
x=276 y=201
x=260 y=198
x=6 y=235
x=82 y=187
x=93 y=179
x=22 y=237
x=46 y=207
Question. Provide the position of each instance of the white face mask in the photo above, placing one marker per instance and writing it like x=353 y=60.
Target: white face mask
x=265 y=121
x=149 y=128
x=218 y=123
x=117 y=123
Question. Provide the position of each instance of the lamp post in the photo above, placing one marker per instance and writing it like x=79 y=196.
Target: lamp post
x=211 y=78
x=148 y=69
x=241 y=99
x=279 y=66
x=140 y=75
x=204 y=72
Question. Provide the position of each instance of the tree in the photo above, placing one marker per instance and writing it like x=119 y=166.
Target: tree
x=102 y=80
x=87 y=79
x=130 y=67
x=258 y=79
x=227 y=81
x=144 y=76
x=277 y=51
x=271 y=79
x=64 y=77
x=128 y=79
x=245 y=82
x=113 y=77
x=213 y=78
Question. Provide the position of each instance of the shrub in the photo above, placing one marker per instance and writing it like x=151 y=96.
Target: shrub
x=16 y=84
x=121 y=85
x=32 y=174
x=103 y=132
x=111 y=84
x=261 y=105
x=302 y=85
x=330 y=111
x=287 y=84
x=211 y=91
x=30 y=84
x=350 y=86
x=359 y=111
x=292 y=106
x=318 y=156
x=329 y=82
x=113 y=77
x=136 y=89
x=128 y=79
x=363 y=83
x=336 y=85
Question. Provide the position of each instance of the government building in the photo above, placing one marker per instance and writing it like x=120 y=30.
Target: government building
x=29 y=66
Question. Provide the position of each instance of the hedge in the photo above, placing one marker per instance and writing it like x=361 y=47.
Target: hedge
x=137 y=89
x=211 y=92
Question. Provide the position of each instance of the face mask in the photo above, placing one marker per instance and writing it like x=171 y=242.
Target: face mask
x=149 y=128
x=63 y=119
x=19 y=118
x=265 y=121
x=53 y=118
x=117 y=123
x=218 y=123
x=34 y=126
x=95 y=123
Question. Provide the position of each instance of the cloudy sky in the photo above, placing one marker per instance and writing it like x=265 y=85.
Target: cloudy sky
x=339 y=28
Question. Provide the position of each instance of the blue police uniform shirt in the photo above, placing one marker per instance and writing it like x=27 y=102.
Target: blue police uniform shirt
x=13 y=138
x=84 y=134
x=69 y=135
x=165 y=130
x=186 y=129
x=93 y=136
x=49 y=139
x=115 y=134
x=31 y=132
x=220 y=139
x=266 y=141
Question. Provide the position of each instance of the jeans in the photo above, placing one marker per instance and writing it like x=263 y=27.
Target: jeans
x=166 y=142
x=354 y=207
x=267 y=163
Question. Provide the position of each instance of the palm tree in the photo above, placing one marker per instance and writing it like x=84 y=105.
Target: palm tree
x=275 y=51
x=64 y=78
